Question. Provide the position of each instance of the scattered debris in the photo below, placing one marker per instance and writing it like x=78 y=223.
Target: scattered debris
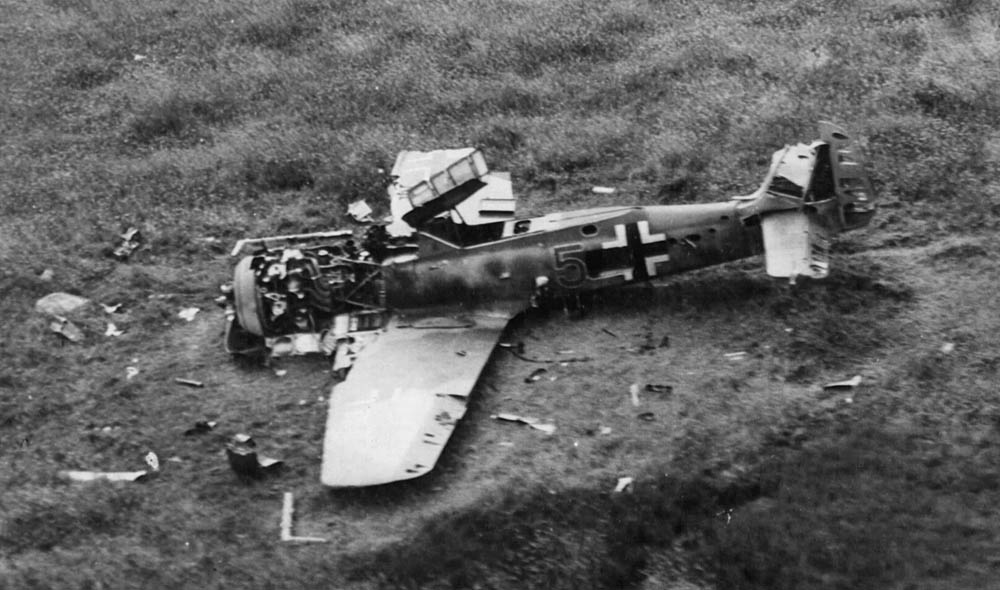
x=201 y=427
x=518 y=351
x=849 y=384
x=661 y=389
x=633 y=391
x=131 y=372
x=647 y=416
x=947 y=347
x=243 y=459
x=188 y=313
x=735 y=356
x=360 y=211
x=111 y=308
x=461 y=353
x=603 y=190
x=604 y=430
x=281 y=372
x=138 y=57
x=535 y=375
x=532 y=422
x=189 y=382
x=113 y=331
x=66 y=329
x=609 y=332
x=624 y=483
x=60 y=304
x=244 y=439
x=87 y=476
x=128 y=243
x=506 y=443
x=47 y=275
x=729 y=514
x=286 y=523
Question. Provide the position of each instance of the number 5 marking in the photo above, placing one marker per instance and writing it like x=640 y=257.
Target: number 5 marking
x=570 y=268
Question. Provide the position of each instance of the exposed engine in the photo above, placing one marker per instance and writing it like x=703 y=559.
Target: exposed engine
x=304 y=293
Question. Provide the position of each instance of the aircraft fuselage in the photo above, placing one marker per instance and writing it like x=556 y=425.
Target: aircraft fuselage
x=575 y=252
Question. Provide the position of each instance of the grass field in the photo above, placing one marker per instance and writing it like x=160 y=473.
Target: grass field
x=202 y=123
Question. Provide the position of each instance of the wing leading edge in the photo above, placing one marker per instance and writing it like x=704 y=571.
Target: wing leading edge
x=390 y=419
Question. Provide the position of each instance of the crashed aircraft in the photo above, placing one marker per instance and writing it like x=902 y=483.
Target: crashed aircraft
x=414 y=308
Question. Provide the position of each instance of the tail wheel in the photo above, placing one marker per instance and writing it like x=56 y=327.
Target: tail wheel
x=247 y=298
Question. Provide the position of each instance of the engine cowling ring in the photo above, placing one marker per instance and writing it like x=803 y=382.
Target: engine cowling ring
x=247 y=298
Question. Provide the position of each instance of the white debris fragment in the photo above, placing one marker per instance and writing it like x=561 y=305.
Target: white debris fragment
x=287 y=510
x=360 y=211
x=112 y=331
x=138 y=57
x=603 y=190
x=188 y=313
x=87 y=476
x=605 y=430
x=60 y=304
x=66 y=329
x=532 y=422
x=281 y=372
x=131 y=372
x=848 y=384
x=623 y=484
x=111 y=308
x=47 y=275
x=947 y=347
x=633 y=391
x=735 y=356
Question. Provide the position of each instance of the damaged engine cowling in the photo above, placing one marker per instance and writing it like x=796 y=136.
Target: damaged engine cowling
x=307 y=288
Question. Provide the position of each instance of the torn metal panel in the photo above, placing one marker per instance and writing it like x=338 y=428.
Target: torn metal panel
x=245 y=462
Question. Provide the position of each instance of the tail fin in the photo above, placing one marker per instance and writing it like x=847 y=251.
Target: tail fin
x=811 y=192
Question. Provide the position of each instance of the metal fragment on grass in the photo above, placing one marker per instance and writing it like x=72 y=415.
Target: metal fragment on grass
x=532 y=422
x=189 y=382
x=633 y=391
x=60 y=304
x=128 y=243
x=624 y=483
x=112 y=331
x=115 y=476
x=848 y=384
x=735 y=356
x=360 y=211
x=658 y=388
x=67 y=329
x=188 y=313
x=535 y=375
x=287 y=510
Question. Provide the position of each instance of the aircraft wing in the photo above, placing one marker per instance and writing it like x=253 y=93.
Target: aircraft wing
x=390 y=419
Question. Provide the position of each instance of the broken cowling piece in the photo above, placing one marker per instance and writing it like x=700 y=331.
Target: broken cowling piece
x=245 y=462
